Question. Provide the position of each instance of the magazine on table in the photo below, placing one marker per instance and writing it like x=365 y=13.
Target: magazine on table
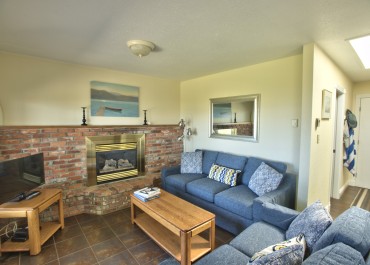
x=148 y=192
x=146 y=199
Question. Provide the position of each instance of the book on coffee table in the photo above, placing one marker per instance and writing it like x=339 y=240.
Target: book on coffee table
x=148 y=192
x=146 y=199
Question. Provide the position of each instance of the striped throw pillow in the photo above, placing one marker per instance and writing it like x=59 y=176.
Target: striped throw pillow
x=223 y=174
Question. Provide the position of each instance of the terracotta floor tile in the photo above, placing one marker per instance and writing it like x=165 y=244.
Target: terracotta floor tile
x=99 y=235
x=108 y=248
x=46 y=255
x=71 y=245
x=122 y=258
x=67 y=232
x=123 y=227
x=116 y=217
x=146 y=252
x=82 y=257
x=91 y=225
x=133 y=238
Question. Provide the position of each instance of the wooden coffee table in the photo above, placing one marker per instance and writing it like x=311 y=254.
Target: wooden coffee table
x=174 y=224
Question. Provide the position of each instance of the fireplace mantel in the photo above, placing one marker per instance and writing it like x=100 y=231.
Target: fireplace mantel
x=64 y=150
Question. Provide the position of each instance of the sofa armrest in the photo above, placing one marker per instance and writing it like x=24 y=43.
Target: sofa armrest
x=168 y=171
x=284 y=195
x=277 y=215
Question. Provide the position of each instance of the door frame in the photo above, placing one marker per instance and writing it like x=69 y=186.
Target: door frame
x=356 y=130
x=337 y=161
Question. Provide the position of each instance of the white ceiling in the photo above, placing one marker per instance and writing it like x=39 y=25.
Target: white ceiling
x=193 y=37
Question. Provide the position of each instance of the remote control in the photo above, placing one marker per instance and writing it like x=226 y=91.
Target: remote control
x=32 y=194
x=21 y=196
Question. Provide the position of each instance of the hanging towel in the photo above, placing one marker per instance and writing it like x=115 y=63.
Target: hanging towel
x=350 y=151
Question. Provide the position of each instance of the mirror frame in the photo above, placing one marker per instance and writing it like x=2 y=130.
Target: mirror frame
x=256 y=98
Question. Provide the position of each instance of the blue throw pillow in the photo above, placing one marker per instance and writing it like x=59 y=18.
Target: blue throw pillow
x=287 y=252
x=312 y=222
x=264 y=179
x=191 y=162
x=224 y=174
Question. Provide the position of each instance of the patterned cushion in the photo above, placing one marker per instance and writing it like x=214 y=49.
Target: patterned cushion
x=287 y=252
x=312 y=222
x=264 y=179
x=191 y=162
x=223 y=174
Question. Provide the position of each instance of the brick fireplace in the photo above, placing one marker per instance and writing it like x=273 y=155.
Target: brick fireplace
x=65 y=161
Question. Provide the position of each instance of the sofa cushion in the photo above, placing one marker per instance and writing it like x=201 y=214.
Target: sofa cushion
x=287 y=252
x=351 y=228
x=253 y=163
x=223 y=174
x=338 y=253
x=209 y=158
x=205 y=188
x=264 y=179
x=238 y=200
x=179 y=181
x=191 y=162
x=312 y=222
x=225 y=254
x=257 y=237
x=231 y=161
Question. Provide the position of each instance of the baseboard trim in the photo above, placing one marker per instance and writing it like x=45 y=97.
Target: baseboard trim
x=343 y=188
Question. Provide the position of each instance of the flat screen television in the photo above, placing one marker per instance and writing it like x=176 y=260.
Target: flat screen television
x=20 y=175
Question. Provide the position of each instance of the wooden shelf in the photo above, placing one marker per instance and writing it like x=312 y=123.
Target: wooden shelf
x=170 y=241
x=47 y=230
x=30 y=210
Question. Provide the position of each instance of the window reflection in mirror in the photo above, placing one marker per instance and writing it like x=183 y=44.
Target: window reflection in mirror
x=235 y=118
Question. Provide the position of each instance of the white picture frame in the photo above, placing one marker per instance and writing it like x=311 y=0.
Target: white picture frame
x=326 y=104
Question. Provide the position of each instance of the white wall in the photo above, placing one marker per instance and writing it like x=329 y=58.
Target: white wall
x=315 y=171
x=35 y=91
x=279 y=83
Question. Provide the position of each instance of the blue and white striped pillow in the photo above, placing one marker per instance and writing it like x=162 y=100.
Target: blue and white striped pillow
x=224 y=174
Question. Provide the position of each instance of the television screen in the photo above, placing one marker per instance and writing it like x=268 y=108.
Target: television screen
x=20 y=175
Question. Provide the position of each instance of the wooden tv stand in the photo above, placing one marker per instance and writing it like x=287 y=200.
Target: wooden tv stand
x=31 y=209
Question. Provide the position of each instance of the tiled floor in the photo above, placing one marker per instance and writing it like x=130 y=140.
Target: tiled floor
x=108 y=239
x=112 y=239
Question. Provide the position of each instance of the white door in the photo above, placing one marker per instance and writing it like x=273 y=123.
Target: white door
x=363 y=147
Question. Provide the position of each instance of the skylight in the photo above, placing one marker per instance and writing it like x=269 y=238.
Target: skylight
x=362 y=48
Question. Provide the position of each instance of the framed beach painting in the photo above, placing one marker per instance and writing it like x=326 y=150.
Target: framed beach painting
x=114 y=100
x=326 y=104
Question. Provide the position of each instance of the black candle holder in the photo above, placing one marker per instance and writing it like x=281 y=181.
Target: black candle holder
x=145 y=121
x=83 y=116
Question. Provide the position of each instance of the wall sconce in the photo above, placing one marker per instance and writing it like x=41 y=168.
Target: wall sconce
x=187 y=131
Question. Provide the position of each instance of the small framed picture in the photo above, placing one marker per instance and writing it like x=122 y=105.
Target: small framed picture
x=326 y=104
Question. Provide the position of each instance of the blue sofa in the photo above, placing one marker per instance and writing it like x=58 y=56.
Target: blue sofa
x=345 y=241
x=237 y=207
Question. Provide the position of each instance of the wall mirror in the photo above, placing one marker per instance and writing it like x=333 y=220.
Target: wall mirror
x=235 y=118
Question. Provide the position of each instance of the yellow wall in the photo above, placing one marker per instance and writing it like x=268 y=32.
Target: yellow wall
x=278 y=82
x=361 y=88
x=316 y=155
x=36 y=91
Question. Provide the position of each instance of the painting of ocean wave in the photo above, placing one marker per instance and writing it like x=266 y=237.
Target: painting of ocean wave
x=114 y=100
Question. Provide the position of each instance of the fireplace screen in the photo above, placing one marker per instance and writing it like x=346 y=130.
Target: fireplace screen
x=112 y=158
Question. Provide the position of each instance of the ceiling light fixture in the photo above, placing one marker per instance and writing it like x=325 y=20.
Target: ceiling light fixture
x=361 y=46
x=140 y=47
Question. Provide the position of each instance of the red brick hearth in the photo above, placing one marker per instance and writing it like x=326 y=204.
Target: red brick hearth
x=64 y=151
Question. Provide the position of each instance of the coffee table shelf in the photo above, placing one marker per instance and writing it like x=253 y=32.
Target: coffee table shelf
x=169 y=241
x=175 y=224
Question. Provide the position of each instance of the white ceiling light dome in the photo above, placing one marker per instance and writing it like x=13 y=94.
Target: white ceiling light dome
x=140 y=47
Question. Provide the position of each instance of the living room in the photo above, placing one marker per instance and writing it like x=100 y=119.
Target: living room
x=45 y=92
